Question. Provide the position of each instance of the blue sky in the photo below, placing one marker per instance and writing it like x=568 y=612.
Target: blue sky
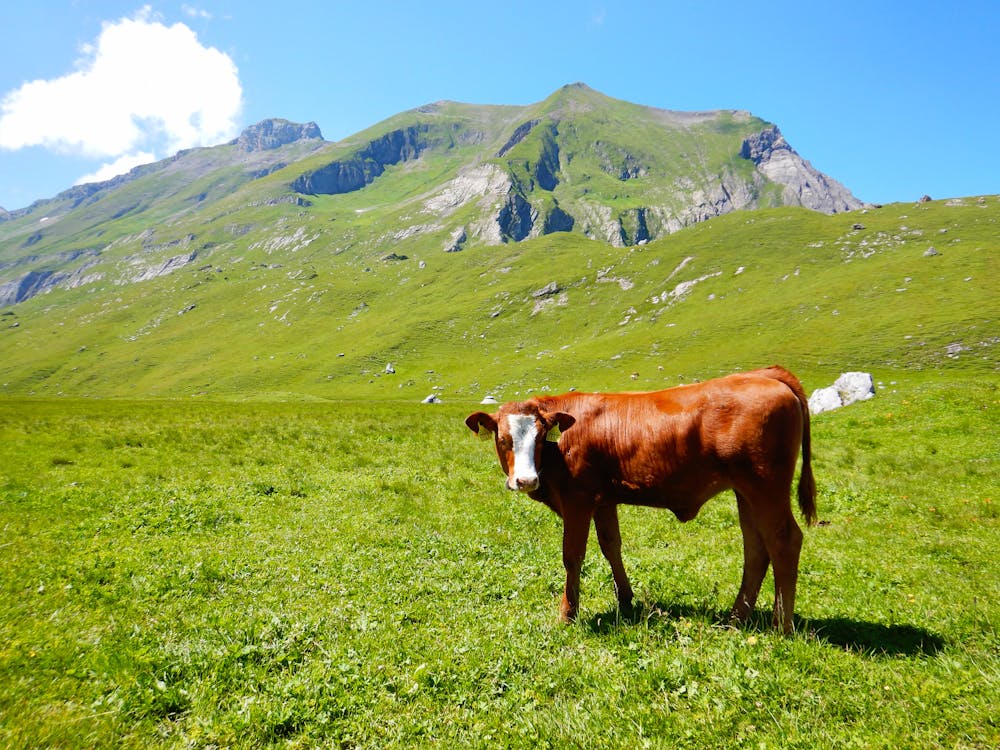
x=893 y=99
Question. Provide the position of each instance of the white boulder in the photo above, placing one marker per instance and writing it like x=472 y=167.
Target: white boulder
x=848 y=389
x=824 y=399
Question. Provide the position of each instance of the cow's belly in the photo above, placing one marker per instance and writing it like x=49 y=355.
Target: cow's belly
x=683 y=498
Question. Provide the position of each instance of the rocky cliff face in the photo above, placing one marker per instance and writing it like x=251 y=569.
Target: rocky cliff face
x=803 y=184
x=274 y=133
x=362 y=167
x=552 y=169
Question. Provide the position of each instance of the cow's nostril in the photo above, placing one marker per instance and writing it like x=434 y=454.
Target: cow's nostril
x=528 y=484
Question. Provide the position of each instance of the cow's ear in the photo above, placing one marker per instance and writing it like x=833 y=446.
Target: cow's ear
x=560 y=421
x=482 y=424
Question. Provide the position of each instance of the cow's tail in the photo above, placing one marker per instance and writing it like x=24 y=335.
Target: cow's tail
x=807 y=484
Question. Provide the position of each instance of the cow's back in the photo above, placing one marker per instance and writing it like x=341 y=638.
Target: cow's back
x=678 y=447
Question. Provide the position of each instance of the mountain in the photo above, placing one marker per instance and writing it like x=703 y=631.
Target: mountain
x=578 y=161
x=446 y=240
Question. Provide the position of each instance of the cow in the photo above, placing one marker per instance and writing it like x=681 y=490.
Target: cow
x=584 y=454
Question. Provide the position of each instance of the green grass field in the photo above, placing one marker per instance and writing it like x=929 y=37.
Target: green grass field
x=180 y=574
x=274 y=545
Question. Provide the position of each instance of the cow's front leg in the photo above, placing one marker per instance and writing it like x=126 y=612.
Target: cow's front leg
x=755 y=563
x=610 y=538
x=576 y=526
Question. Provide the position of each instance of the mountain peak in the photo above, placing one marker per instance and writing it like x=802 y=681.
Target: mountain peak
x=275 y=132
x=576 y=94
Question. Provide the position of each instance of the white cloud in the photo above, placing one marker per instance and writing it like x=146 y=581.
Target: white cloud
x=121 y=165
x=196 y=12
x=142 y=88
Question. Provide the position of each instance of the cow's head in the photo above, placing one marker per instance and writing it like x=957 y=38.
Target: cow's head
x=519 y=431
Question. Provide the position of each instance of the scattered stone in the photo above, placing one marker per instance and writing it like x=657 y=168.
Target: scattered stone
x=432 y=399
x=489 y=400
x=389 y=369
x=456 y=241
x=931 y=252
x=546 y=291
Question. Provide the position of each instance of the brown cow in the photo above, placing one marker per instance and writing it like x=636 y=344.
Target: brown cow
x=673 y=449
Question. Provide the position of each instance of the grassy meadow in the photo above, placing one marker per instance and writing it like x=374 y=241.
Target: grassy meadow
x=226 y=522
x=212 y=574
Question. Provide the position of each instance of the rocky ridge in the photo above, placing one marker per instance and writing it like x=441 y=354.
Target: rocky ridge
x=274 y=133
x=576 y=162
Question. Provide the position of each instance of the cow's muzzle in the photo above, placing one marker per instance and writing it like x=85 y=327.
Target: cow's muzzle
x=522 y=484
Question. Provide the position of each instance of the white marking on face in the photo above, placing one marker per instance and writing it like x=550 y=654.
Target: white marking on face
x=523 y=434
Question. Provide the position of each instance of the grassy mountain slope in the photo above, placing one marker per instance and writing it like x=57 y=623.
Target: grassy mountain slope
x=484 y=249
x=317 y=310
x=578 y=161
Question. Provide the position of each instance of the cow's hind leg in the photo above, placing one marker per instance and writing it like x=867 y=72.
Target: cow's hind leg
x=766 y=519
x=576 y=527
x=783 y=538
x=755 y=563
x=610 y=538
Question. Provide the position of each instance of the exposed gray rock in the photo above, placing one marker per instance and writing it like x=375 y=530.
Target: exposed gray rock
x=547 y=167
x=456 y=241
x=803 y=184
x=954 y=349
x=546 y=291
x=516 y=218
x=32 y=283
x=618 y=162
x=487 y=182
x=432 y=399
x=362 y=167
x=41 y=282
x=140 y=270
x=514 y=207
x=519 y=134
x=274 y=133
x=557 y=220
x=632 y=227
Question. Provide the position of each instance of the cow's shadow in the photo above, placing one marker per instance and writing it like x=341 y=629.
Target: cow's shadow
x=857 y=636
